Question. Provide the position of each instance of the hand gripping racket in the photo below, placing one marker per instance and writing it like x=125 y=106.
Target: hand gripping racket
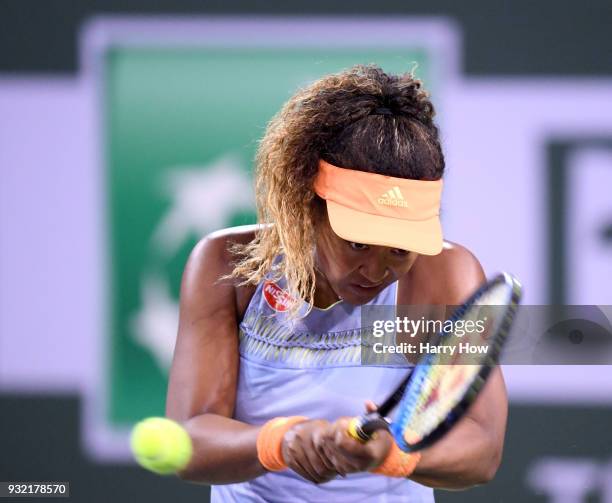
x=441 y=388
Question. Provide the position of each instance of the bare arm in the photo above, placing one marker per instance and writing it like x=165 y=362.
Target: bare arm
x=203 y=378
x=471 y=452
x=202 y=386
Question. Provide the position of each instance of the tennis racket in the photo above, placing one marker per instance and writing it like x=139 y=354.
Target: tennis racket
x=441 y=388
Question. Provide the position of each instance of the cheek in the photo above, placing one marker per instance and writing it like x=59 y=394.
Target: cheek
x=335 y=263
x=403 y=266
x=339 y=266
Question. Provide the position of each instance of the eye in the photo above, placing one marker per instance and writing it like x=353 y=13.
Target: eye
x=399 y=252
x=358 y=246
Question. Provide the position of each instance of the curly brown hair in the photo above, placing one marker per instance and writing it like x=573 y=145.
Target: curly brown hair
x=361 y=118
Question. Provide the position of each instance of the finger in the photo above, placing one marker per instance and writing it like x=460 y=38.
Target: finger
x=319 y=440
x=300 y=466
x=344 y=460
x=342 y=465
x=347 y=464
x=370 y=406
x=367 y=455
x=319 y=463
x=294 y=456
x=308 y=463
x=352 y=455
x=323 y=441
x=317 y=454
x=359 y=456
x=301 y=472
x=342 y=439
x=380 y=446
x=338 y=461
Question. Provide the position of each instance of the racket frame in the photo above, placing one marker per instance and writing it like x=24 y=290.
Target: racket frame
x=363 y=427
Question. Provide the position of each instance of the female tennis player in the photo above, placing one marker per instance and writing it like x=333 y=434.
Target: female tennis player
x=267 y=366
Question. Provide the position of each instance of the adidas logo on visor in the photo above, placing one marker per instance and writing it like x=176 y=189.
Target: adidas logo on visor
x=393 y=197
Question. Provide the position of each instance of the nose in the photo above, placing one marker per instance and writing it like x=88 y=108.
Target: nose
x=375 y=271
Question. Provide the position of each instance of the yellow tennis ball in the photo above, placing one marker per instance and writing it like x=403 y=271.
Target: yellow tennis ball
x=161 y=445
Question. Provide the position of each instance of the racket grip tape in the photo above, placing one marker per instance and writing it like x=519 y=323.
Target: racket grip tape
x=362 y=428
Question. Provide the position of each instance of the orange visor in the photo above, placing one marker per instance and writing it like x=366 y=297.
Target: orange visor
x=382 y=210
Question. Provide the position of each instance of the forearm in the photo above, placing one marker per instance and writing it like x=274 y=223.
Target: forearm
x=469 y=455
x=224 y=450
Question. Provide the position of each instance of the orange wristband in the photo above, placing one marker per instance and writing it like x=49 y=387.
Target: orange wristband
x=270 y=441
x=398 y=463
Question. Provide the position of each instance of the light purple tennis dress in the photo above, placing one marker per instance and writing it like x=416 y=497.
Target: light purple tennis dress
x=311 y=367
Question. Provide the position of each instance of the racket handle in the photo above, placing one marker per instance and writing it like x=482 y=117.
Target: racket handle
x=363 y=427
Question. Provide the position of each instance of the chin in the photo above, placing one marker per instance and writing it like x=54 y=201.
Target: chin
x=358 y=296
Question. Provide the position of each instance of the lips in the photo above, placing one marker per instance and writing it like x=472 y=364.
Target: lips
x=358 y=294
x=364 y=283
x=367 y=285
x=366 y=289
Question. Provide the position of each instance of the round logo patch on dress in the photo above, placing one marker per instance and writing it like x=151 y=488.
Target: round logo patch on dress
x=277 y=298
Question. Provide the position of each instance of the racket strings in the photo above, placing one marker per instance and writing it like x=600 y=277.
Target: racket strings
x=440 y=384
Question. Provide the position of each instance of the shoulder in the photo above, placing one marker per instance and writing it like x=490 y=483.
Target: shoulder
x=447 y=278
x=214 y=250
x=212 y=259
